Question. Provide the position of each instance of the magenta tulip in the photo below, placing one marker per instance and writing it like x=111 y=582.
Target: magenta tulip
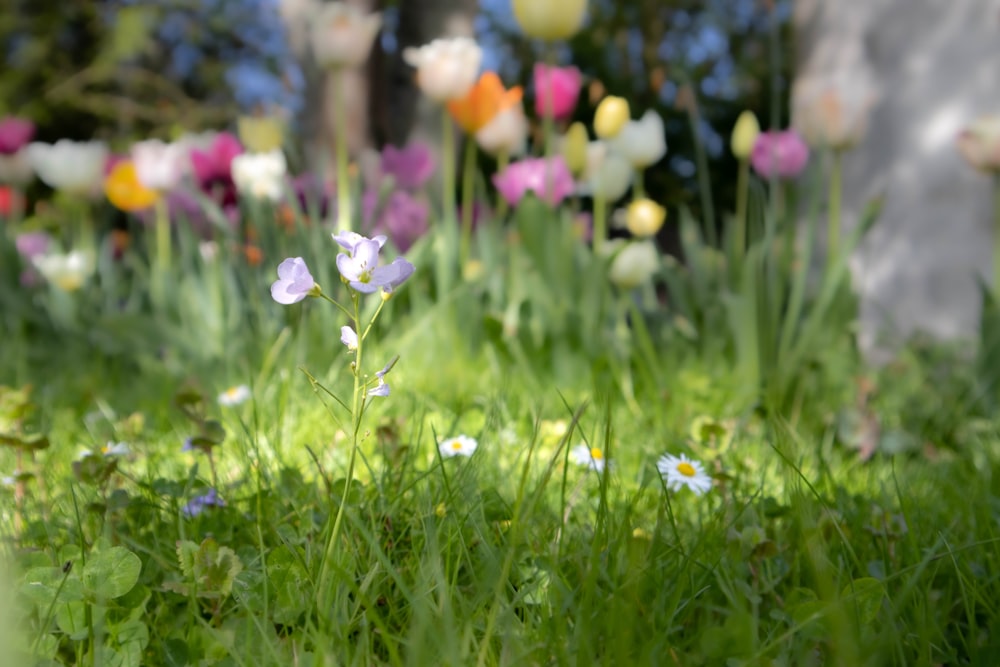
x=556 y=89
x=782 y=154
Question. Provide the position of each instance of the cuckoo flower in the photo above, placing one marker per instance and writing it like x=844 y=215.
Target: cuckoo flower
x=342 y=35
x=483 y=102
x=15 y=133
x=349 y=240
x=69 y=165
x=410 y=166
x=780 y=154
x=557 y=90
x=294 y=282
x=361 y=270
x=446 y=68
x=549 y=179
x=550 y=19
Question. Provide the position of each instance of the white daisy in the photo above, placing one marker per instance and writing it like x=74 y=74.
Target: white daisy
x=460 y=445
x=682 y=471
x=234 y=395
x=592 y=457
x=108 y=450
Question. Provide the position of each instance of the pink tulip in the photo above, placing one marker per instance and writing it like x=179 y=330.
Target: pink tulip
x=15 y=133
x=215 y=165
x=779 y=153
x=549 y=179
x=558 y=89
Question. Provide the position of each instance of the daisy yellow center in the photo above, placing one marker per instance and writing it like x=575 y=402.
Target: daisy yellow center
x=232 y=392
x=105 y=449
x=456 y=445
x=686 y=469
x=596 y=454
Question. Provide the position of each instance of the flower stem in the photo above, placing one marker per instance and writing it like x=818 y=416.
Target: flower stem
x=996 y=234
x=163 y=251
x=638 y=187
x=503 y=160
x=742 y=194
x=600 y=223
x=833 y=224
x=549 y=106
x=701 y=162
x=447 y=169
x=357 y=407
x=468 y=190
x=340 y=148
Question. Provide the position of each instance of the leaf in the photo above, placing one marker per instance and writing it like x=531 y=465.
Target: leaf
x=210 y=567
x=111 y=573
x=866 y=594
x=132 y=638
x=44 y=585
x=72 y=619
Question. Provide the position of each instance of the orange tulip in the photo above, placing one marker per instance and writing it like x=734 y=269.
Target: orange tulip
x=125 y=191
x=483 y=102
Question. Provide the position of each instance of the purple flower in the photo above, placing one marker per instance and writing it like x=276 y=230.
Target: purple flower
x=349 y=338
x=294 y=282
x=362 y=272
x=349 y=240
x=779 y=153
x=32 y=244
x=198 y=504
x=15 y=133
x=215 y=165
x=550 y=180
x=411 y=166
x=401 y=216
x=382 y=389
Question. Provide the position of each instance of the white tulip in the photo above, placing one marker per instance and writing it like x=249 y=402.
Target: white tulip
x=446 y=68
x=506 y=133
x=73 y=166
x=260 y=175
x=342 y=36
x=608 y=174
x=634 y=265
x=160 y=165
x=642 y=142
x=67 y=272
x=832 y=109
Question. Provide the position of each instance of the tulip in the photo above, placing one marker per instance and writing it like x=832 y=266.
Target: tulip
x=483 y=102
x=15 y=133
x=260 y=134
x=634 y=265
x=69 y=165
x=557 y=90
x=745 y=133
x=832 y=110
x=574 y=148
x=506 y=134
x=446 y=68
x=611 y=116
x=125 y=191
x=644 y=217
x=159 y=165
x=979 y=144
x=608 y=174
x=260 y=175
x=213 y=163
x=410 y=166
x=781 y=154
x=402 y=217
x=549 y=179
x=67 y=272
x=550 y=19
x=642 y=142
x=342 y=36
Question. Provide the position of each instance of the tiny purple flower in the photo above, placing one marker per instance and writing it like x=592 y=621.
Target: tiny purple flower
x=294 y=282
x=198 y=504
x=349 y=338
x=15 y=133
x=188 y=445
x=362 y=272
x=382 y=389
x=411 y=166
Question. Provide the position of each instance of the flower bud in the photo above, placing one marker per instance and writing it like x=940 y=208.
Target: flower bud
x=744 y=135
x=644 y=217
x=574 y=148
x=611 y=115
x=550 y=19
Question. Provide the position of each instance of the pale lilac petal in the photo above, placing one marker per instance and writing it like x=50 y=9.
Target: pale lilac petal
x=349 y=338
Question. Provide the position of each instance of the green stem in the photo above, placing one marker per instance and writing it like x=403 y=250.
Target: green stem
x=638 y=187
x=340 y=148
x=357 y=406
x=447 y=168
x=996 y=234
x=600 y=223
x=833 y=224
x=549 y=106
x=704 y=182
x=503 y=160
x=163 y=251
x=468 y=190
x=742 y=195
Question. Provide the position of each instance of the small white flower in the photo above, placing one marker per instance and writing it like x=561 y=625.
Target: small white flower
x=234 y=395
x=349 y=338
x=681 y=471
x=591 y=457
x=115 y=449
x=8 y=480
x=67 y=165
x=260 y=175
x=447 y=67
x=460 y=445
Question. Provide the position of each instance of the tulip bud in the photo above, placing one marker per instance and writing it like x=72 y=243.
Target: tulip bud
x=744 y=135
x=634 y=265
x=644 y=217
x=611 y=115
x=574 y=148
x=550 y=19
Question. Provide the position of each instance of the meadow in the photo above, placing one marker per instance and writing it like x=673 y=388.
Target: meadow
x=344 y=419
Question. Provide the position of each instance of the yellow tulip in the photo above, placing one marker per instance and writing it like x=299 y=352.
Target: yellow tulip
x=611 y=115
x=260 y=134
x=125 y=191
x=744 y=135
x=644 y=217
x=550 y=19
x=574 y=148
